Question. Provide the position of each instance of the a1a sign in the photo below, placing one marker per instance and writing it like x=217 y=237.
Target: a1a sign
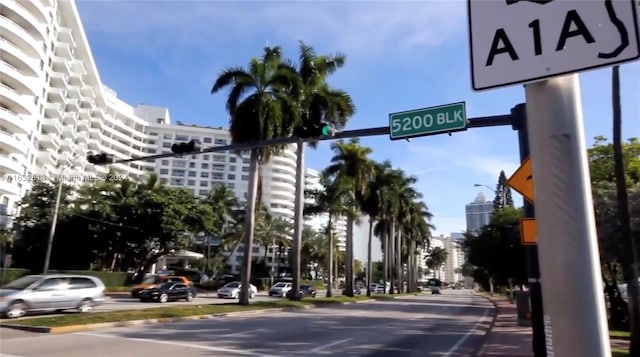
x=518 y=41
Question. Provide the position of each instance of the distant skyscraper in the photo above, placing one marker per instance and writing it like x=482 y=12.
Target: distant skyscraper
x=478 y=213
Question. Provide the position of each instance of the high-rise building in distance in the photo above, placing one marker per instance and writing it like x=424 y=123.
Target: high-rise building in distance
x=478 y=213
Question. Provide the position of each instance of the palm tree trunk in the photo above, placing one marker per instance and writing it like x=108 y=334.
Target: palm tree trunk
x=348 y=269
x=399 y=265
x=369 y=263
x=249 y=226
x=392 y=255
x=385 y=259
x=629 y=267
x=331 y=244
x=412 y=266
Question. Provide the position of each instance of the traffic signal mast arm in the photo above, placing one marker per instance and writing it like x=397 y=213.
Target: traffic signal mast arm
x=497 y=120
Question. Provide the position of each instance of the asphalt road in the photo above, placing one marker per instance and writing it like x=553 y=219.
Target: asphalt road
x=451 y=324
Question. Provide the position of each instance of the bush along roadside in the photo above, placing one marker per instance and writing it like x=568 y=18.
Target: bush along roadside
x=174 y=312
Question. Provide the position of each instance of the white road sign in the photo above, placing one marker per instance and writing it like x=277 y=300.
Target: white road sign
x=518 y=41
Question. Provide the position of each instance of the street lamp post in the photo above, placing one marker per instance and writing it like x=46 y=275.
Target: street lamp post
x=54 y=219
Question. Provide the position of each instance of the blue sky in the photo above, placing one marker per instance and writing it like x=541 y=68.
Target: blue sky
x=401 y=55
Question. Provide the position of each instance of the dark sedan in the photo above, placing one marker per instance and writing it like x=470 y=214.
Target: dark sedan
x=170 y=291
x=305 y=291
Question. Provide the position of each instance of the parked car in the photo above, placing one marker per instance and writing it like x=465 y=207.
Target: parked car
x=151 y=280
x=52 y=292
x=305 y=291
x=169 y=291
x=232 y=290
x=377 y=288
x=280 y=289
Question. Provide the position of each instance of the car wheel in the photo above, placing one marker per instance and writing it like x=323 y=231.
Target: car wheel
x=85 y=306
x=164 y=298
x=190 y=297
x=17 y=309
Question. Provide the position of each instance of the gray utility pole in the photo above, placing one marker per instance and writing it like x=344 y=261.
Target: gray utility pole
x=566 y=220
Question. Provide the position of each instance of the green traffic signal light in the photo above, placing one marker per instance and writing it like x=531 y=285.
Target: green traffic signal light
x=327 y=130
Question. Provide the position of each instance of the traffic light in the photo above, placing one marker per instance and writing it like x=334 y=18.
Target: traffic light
x=100 y=159
x=314 y=131
x=186 y=148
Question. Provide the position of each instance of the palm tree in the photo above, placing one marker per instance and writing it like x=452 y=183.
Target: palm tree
x=418 y=230
x=330 y=200
x=436 y=259
x=313 y=251
x=222 y=201
x=351 y=165
x=272 y=231
x=318 y=103
x=261 y=107
x=630 y=266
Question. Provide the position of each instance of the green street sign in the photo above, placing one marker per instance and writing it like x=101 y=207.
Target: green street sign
x=434 y=120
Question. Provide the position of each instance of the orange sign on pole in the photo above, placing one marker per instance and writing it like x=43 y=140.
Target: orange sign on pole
x=522 y=180
x=528 y=231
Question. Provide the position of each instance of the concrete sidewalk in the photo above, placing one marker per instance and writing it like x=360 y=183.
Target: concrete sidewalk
x=506 y=338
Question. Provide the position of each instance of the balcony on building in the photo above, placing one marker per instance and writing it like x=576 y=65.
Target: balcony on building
x=13 y=121
x=72 y=105
x=68 y=145
x=58 y=80
x=66 y=35
x=54 y=110
x=22 y=16
x=9 y=142
x=19 y=102
x=18 y=35
x=70 y=118
x=56 y=95
x=18 y=58
x=88 y=91
x=49 y=141
x=69 y=132
x=61 y=65
x=46 y=156
x=74 y=91
x=52 y=125
x=83 y=125
x=64 y=50
x=78 y=67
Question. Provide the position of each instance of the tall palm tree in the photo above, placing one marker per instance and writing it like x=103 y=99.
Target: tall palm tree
x=329 y=200
x=261 y=107
x=436 y=259
x=351 y=165
x=418 y=232
x=318 y=103
x=630 y=267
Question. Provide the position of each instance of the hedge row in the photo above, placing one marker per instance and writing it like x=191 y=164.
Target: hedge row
x=110 y=279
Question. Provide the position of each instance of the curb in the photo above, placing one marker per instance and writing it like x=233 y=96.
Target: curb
x=78 y=328
x=483 y=347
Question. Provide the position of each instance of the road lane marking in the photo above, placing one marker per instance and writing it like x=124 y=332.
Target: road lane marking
x=329 y=345
x=231 y=351
x=466 y=336
x=241 y=333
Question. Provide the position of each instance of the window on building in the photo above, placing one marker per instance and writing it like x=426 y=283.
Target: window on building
x=245 y=177
x=164 y=171
x=231 y=177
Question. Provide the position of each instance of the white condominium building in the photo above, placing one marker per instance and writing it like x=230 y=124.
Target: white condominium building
x=53 y=108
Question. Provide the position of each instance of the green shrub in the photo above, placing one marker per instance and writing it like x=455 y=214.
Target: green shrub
x=10 y=274
x=110 y=279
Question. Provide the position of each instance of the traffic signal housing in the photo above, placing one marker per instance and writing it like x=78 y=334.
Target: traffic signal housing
x=313 y=131
x=100 y=159
x=186 y=148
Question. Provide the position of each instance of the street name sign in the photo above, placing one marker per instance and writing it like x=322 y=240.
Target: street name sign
x=519 y=41
x=528 y=231
x=522 y=180
x=427 y=121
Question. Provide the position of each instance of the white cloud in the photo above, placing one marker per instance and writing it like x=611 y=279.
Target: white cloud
x=359 y=28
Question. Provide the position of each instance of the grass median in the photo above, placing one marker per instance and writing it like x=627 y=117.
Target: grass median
x=174 y=311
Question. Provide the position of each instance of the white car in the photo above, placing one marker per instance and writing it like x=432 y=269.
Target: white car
x=232 y=291
x=280 y=289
